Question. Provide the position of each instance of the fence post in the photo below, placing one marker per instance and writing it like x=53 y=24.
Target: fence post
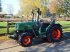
x=7 y=26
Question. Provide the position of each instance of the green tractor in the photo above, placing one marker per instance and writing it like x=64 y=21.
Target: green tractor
x=27 y=31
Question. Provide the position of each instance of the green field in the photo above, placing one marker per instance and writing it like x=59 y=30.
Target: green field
x=3 y=23
x=4 y=30
x=65 y=27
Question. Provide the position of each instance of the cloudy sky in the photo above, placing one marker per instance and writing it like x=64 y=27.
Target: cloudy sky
x=10 y=6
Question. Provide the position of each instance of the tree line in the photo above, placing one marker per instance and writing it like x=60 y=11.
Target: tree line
x=60 y=7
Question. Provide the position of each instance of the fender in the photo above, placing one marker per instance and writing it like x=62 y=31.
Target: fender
x=29 y=32
x=50 y=26
x=58 y=25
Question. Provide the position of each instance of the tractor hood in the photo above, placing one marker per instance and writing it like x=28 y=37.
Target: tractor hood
x=24 y=25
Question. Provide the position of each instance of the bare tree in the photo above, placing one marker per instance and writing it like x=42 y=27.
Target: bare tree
x=10 y=9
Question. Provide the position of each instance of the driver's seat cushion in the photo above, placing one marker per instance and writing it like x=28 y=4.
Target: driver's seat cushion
x=44 y=26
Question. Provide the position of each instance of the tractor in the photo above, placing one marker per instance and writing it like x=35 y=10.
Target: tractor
x=27 y=31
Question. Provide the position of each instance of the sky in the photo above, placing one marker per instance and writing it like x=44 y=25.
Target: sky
x=10 y=6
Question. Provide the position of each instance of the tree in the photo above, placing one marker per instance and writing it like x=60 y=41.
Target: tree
x=66 y=7
x=28 y=5
x=55 y=7
x=10 y=9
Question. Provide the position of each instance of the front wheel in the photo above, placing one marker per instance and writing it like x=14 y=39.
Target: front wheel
x=54 y=34
x=25 y=40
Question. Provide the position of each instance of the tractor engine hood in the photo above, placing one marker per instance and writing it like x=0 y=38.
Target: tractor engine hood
x=24 y=25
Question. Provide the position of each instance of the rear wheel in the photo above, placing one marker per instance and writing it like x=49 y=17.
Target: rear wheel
x=25 y=40
x=54 y=34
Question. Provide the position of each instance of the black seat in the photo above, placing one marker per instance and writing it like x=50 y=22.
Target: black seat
x=44 y=26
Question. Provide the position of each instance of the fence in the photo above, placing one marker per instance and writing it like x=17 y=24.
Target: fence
x=8 y=25
x=63 y=19
x=13 y=20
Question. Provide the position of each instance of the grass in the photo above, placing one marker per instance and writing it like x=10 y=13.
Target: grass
x=3 y=23
x=65 y=25
x=4 y=30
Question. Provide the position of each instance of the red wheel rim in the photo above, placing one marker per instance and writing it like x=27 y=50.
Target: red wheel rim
x=56 y=33
x=26 y=40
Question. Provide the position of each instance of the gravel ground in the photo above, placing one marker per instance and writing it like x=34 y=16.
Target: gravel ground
x=38 y=46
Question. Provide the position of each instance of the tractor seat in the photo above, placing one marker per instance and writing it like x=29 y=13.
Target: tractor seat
x=45 y=23
x=44 y=26
x=45 y=20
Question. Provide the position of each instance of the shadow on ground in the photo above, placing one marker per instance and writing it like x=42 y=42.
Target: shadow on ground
x=43 y=46
x=66 y=35
x=40 y=45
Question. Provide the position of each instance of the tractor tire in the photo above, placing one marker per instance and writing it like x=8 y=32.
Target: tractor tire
x=55 y=34
x=25 y=40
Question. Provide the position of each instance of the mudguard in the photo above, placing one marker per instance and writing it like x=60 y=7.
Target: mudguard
x=50 y=26
x=58 y=25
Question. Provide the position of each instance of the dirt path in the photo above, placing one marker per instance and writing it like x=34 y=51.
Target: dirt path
x=38 y=46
